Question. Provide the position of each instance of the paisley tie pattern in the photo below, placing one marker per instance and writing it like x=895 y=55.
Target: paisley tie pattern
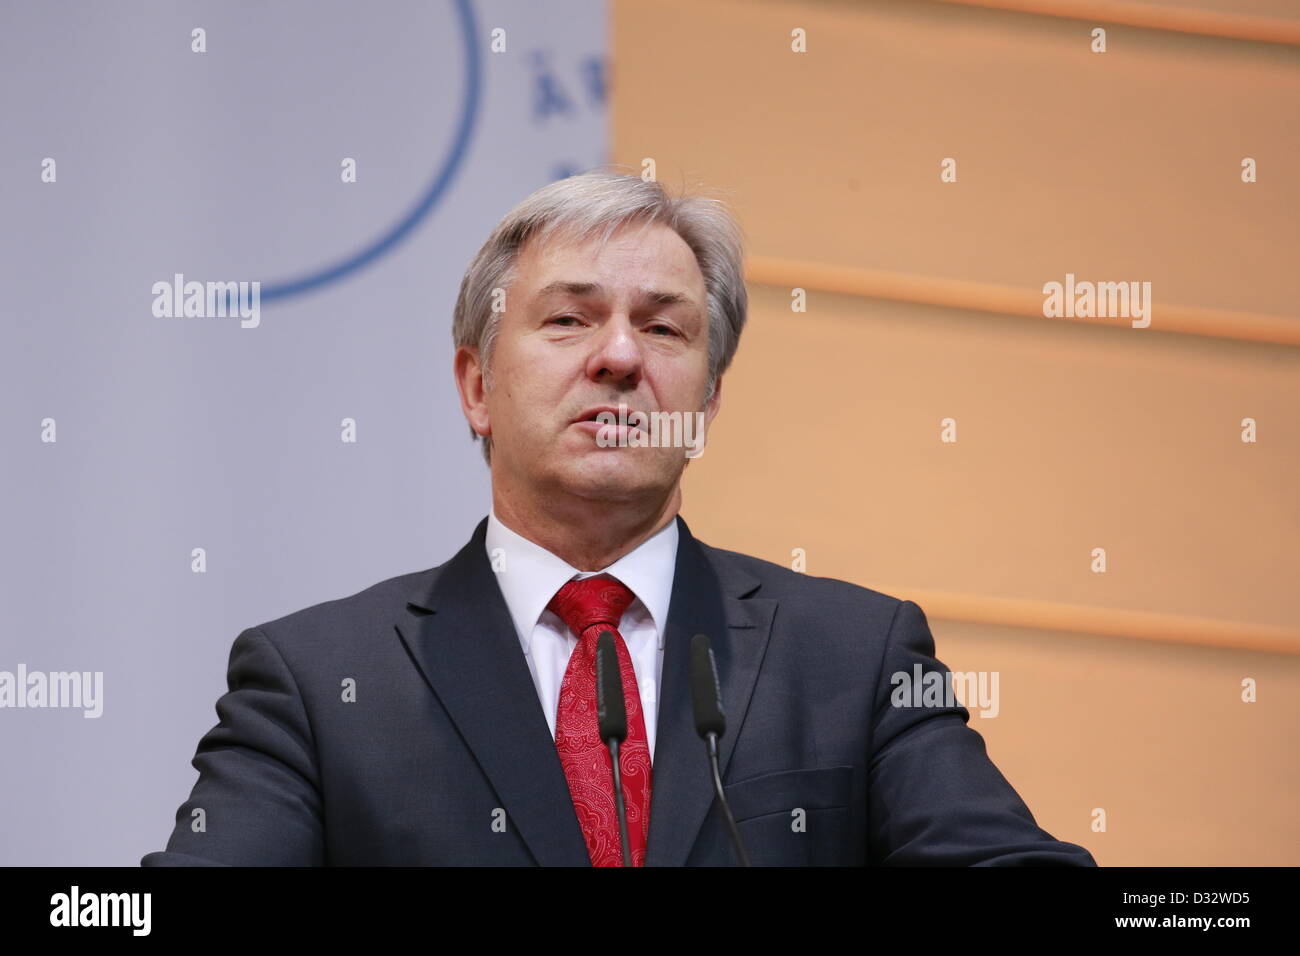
x=589 y=606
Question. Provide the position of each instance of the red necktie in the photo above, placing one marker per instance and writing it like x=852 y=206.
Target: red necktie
x=589 y=606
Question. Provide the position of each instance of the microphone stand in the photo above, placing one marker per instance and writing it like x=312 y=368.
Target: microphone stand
x=611 y=718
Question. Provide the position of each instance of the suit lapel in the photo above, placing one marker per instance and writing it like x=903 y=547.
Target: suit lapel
x=707 y=599
x=459 y=631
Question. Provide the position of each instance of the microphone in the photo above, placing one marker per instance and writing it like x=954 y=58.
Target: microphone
x=611 y=718
x=711 y=724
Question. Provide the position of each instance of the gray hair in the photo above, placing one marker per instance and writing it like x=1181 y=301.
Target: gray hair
x=597 y=204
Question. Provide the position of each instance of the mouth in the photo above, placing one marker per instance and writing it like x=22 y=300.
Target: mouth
x=610 y=429
x=590 y=414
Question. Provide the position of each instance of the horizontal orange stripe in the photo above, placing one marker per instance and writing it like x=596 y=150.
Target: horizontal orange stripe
x=1010 y=300
x=1215 y=23
x=1110 y=622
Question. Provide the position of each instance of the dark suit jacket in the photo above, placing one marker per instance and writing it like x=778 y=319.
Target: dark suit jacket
x=445 y=757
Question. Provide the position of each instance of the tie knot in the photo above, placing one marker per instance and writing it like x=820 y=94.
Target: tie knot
x=587 y=602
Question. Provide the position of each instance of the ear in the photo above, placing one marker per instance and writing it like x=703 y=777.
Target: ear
x=473 y=396
x=711 y=409
x=714 y=405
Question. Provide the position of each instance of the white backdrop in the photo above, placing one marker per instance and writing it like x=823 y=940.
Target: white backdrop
x=172 y=434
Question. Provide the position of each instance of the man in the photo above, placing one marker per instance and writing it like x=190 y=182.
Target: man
x=447 y=716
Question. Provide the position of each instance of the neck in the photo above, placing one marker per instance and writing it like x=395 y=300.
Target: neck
x=588 y=535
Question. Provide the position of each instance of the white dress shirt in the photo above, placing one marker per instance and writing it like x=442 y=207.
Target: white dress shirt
x=529 y=576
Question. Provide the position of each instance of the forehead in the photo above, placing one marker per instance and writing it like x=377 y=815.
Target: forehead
x=635 y=256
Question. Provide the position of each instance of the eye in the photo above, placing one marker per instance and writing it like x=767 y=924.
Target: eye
x=668 y=328
x=560 y=318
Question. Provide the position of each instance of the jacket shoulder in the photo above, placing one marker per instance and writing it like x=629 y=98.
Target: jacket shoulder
x=354 y=614
x=786 y=584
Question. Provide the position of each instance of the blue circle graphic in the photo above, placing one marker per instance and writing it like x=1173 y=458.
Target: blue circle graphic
x=386 y=242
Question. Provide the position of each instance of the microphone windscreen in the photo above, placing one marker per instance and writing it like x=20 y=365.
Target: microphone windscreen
x=611 y=710
x=706 y=696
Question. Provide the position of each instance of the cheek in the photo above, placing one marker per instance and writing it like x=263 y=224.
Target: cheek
x=519 y=413
x=682 y=390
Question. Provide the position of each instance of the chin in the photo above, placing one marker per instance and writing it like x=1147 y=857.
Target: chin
x=595 y=479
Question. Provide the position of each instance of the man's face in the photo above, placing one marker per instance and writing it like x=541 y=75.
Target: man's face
x=586 y=327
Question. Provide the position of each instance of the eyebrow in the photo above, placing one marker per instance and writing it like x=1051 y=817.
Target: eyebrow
x=653 y=296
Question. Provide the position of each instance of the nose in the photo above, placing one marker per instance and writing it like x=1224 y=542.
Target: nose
x=615 y=353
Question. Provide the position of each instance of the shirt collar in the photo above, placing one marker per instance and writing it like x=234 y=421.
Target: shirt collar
x=529 y=575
